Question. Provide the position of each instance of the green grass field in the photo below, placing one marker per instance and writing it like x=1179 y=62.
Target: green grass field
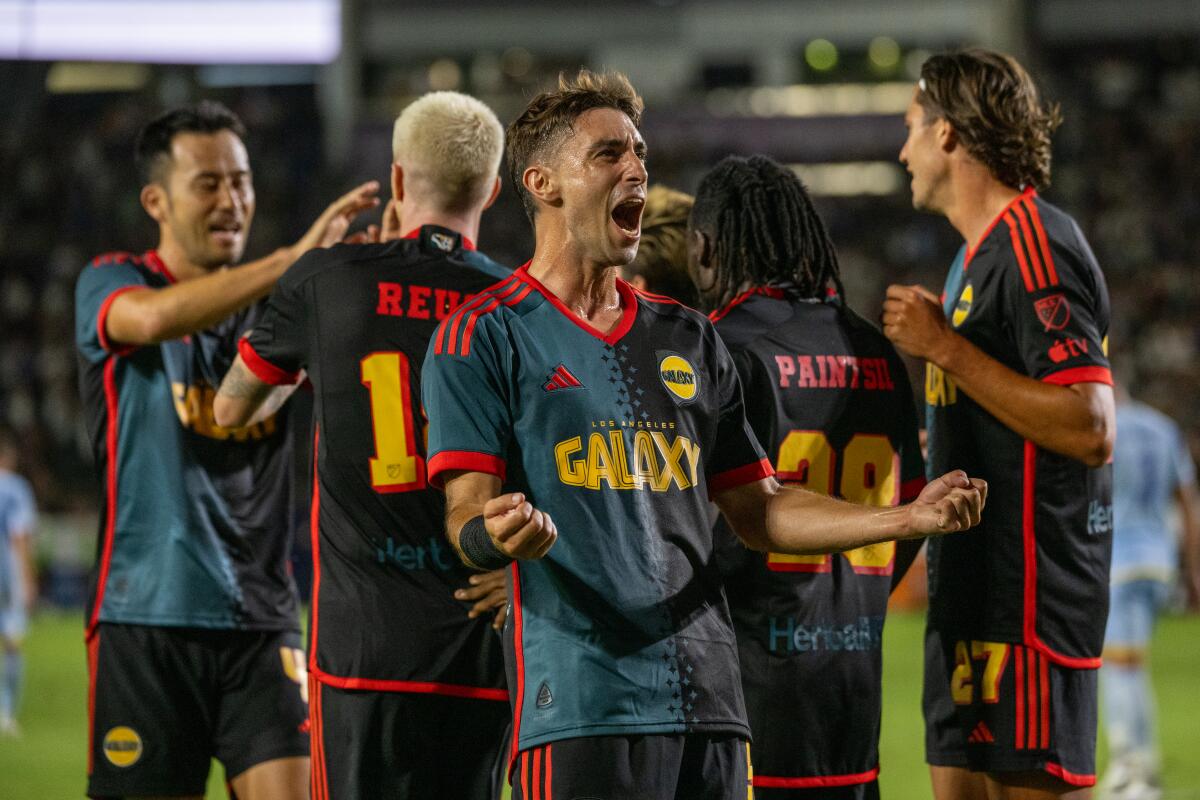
x=47 y=762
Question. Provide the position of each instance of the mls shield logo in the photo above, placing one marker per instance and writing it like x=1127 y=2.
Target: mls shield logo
x=1054 y=312
x=442 y=242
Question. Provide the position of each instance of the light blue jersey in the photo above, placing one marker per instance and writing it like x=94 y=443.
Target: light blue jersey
x=1150 y=462
x=17 y=518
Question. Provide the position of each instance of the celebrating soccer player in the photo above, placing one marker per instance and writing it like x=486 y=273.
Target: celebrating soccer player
x=407 y=682
x=564 y=400
x=192 y=629
x=1018 y=391
x=829 y=397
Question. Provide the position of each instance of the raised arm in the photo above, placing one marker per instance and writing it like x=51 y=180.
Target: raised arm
x=149 y=316
x=769 y=517
x=1078 y=420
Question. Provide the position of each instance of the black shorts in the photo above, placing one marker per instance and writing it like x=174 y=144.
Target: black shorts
x=856 y=791
x=163 y=702
x=369 y=744
x=651 y=767
x=1001 y=707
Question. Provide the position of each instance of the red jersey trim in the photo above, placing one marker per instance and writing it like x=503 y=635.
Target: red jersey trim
x=767 y=291
x=414 y=687
x=156 y=263
x=466 y=460
x=102 y=322
x=1029 y=542
x=1036 y=219
x=415 y=233
x=446 y=336
x=911 y=488
x=93 y=660
x=1069 y=777
x=1069 y=377
x=740 y=476
x=816 y=781
x=626 y=292
x=973 y=249
x=519 y=657
x=264 y=370
x=112 y=413
x=315 y=532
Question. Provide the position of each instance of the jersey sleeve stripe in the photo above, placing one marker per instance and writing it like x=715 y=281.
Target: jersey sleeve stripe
x=1047 y=258
x=511 y=300
x=740 y=476
x=911 y=488
x=450 y=324
x=464 y=460
x=1016 y=243
x=102 y=322
x=487 y=300
x=1030 y=248
x=1068 y=377
x=264 y=370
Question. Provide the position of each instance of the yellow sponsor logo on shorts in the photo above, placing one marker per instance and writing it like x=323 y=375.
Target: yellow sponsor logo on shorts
x=122 y=746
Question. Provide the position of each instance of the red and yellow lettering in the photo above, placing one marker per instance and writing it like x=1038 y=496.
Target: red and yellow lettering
x=396 y=465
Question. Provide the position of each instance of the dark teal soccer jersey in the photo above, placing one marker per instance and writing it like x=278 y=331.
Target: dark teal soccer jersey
x=195 y=518
x=623 y=627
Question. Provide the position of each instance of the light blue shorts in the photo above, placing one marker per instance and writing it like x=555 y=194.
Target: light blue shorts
x=14 y=622
x=1134 y=606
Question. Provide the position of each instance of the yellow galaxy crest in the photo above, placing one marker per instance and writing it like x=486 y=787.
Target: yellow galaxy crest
x=679 y=376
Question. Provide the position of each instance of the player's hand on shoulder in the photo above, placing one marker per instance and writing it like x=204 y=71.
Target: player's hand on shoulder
x=335 y=220
x=914 y=321
x=487 y=590
x=953 y=502
x=518 y=529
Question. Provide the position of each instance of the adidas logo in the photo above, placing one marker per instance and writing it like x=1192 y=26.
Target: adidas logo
x=544 y=698
x=561 y=378
x=981 y=735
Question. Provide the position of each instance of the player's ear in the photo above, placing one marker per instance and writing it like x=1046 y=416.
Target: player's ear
x=154 y=201
x=701 y=246
x=947 y=137
x=494 y=193
x=397 y=182
x=540 y=181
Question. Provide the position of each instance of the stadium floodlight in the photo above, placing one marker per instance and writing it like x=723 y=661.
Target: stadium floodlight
x=176 y=32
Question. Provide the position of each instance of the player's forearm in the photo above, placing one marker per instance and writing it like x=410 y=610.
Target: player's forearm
x=159 y=315
x=799 y=522
x=466 y=495
x=244 y=399
x=1062 y=419
x=23 y=549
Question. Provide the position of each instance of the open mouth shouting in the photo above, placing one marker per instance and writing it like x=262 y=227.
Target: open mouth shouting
x=226 y=232
x=627 y=216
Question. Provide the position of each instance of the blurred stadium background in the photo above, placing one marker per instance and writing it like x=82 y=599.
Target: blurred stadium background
x=821 y=86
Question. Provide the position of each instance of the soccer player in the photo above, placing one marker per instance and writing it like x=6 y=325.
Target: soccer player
x=660 y=266
x=18 y=586
x=830 y=399
x=407 y=694
x=1017 y=390
x=192 y=630
x=1152 y=471
x=564 y=399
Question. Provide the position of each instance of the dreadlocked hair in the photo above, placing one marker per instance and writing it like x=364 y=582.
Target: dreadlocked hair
x=765 y=230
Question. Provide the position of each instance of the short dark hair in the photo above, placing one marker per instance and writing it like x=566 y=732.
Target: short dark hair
x=153 y=149
x=765 y=230
x=551 y=115
x=994 y=107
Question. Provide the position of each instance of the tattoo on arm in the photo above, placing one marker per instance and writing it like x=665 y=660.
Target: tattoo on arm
x=243 y=384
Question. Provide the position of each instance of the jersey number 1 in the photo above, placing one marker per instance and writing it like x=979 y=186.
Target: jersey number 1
x=396 y=465
x=869 y=475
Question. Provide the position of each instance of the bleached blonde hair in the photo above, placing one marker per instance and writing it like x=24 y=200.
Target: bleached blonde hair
x=451 y=144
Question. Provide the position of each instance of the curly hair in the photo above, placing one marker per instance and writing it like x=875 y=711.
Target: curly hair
x=662 y=253
x=994 y=107
x=765 y=231
x=550 y=116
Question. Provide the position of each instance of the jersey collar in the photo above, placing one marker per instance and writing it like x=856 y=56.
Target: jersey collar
x=423 y=233
x=155 y=263
x=973 y=249
x=629 y=306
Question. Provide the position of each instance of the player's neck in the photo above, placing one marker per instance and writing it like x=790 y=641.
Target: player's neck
x=180 y=266
x=978 y=200
x=587 y=288
x=465 y=225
